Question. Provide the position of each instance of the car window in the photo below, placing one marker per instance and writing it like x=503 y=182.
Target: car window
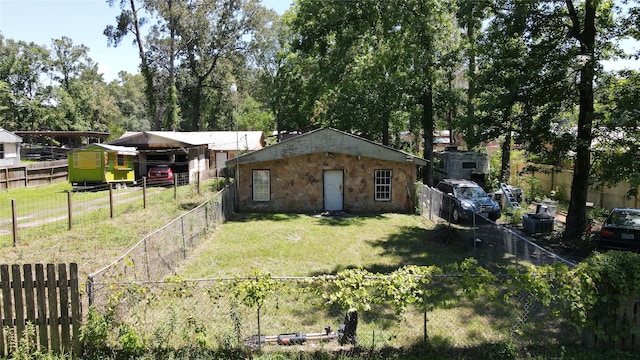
x=445 y=188
x=624 y=219
x=470 y=192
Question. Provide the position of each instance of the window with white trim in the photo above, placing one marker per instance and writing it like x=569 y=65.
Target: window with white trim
x=1 y=151
x=383 y=185
x=261 y=186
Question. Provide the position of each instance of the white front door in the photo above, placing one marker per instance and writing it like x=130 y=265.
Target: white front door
x=333 y=190
x=221 y=157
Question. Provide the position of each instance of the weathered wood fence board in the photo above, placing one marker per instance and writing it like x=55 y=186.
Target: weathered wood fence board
x=34 y=174
x=49 y=301
x=621 y=327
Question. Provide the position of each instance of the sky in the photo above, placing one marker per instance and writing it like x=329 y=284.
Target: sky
x=83 y=21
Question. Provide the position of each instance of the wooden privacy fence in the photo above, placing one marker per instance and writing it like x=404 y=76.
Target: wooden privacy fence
x=48 y=300
x=35 y=174
x=619 y=328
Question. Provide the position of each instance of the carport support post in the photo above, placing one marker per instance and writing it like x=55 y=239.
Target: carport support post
x=14 y=218
x=69 y=209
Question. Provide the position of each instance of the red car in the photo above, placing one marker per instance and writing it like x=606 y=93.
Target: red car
x=161 y=174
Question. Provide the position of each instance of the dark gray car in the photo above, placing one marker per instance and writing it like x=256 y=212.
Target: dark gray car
x=621 y=230
x=463 y=198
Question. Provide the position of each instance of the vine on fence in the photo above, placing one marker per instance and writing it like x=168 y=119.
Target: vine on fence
x=581 y=295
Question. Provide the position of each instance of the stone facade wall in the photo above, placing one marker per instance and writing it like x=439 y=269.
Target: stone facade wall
x=297 y=183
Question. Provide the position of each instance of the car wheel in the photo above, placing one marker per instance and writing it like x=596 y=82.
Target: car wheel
x=456 y=216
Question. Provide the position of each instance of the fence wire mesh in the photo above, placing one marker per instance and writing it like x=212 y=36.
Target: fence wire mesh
x=495 y=244
x=211 y=312
x=37 y=215
x=157 y=255
x=145 y=296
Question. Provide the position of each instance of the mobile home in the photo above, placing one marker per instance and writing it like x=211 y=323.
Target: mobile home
x=457 y=164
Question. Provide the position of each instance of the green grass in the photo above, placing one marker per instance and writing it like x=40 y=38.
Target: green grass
x=95 y=239
x=169 y=318
x=305 y=245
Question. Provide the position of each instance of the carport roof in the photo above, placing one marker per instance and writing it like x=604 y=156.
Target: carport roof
x=215 y=140
x=327 y=140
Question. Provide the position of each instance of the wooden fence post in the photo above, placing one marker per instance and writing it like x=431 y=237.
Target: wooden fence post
x=42 y=310
x=144 y=192
x=54 y=330
x=5 y=314
x=14 y=220
x=111 y=200
x=69 y=209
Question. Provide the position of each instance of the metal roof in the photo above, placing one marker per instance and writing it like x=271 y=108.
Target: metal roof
x=121 y=150
x=327 y=140
x=7 y=136
x=215 y=140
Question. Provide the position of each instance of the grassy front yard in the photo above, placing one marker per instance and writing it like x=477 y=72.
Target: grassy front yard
x=202 y=319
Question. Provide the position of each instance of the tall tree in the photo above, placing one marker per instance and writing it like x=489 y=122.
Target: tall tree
x=522 y=78
x=163 y=41
x=129 y=96
x=470 y=15
x=21 y=65
x=69 y=61
x=617 y=133
x=215 y=34
x=381 y=56
x=128 y=22
x=583 y=29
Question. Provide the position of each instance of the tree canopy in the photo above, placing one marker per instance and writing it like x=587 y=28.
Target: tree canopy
x=520 y=73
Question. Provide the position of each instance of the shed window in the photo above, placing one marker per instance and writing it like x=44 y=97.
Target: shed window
x=383 y=185
x=1 y=151
x=261 y=186
x=121 y=161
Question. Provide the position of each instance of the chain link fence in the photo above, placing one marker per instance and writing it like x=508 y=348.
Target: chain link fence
x=146 y=295
x=495 y=244
x=157 y=255
x=37 y=215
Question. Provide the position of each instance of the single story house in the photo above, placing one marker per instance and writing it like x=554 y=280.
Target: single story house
x=9 y=148
x=202 y=152
x=326 y=170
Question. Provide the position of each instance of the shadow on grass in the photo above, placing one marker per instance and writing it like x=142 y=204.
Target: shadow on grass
x=434 y=349
x=247 y=217
x=324 y=218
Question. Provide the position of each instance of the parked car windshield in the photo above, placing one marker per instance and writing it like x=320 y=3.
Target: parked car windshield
x=470 y=192
x=625 y=219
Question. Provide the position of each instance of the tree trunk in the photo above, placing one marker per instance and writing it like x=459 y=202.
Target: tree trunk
x=145 y=70
x=427 y=125
x=471 y=77
x=577 y=212
x=195 y=122
x=505 y=165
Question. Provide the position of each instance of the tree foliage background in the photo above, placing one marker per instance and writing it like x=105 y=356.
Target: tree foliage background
x=518 y=73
